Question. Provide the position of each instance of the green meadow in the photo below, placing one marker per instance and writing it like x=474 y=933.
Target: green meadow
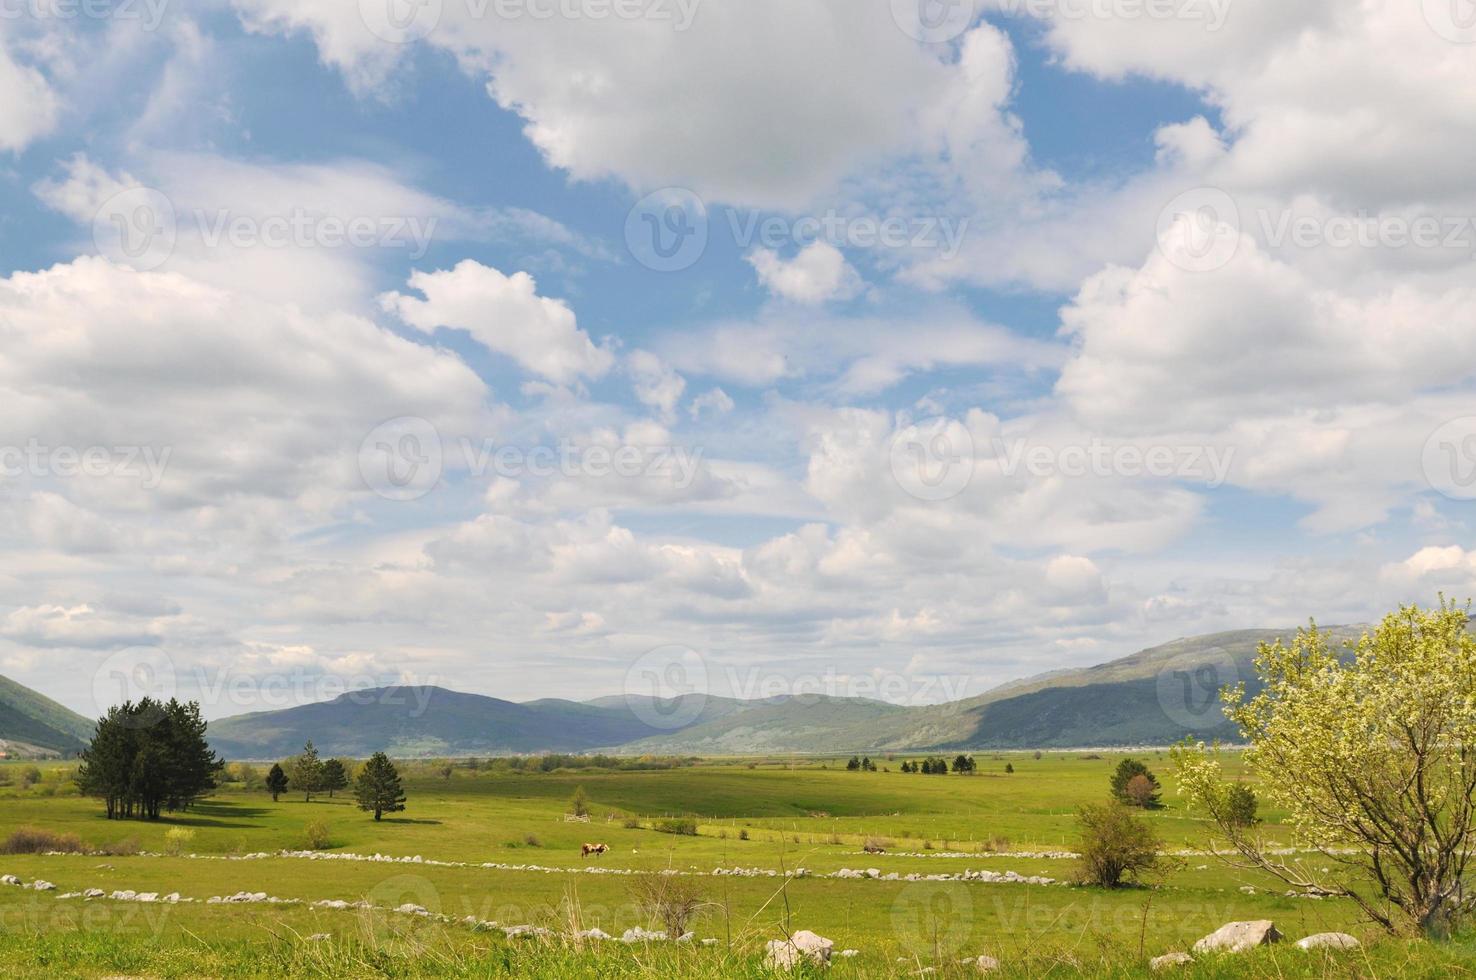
x=785 y=822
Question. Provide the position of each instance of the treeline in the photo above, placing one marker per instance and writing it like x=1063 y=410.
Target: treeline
x=553 y=762
x=938 y=766
x=149 y=757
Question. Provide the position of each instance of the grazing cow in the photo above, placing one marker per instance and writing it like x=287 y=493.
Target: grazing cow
x=595 y=849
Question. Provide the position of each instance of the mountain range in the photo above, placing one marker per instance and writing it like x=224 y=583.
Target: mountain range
x=1153 y=697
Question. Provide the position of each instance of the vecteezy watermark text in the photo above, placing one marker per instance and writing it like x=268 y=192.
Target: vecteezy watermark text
x=406 y=21
x=147 y=464
x=404 y=459
x=141 y=227
x=148 y=13
x=1200 y=230
x=1210 y=464
x=669 y=230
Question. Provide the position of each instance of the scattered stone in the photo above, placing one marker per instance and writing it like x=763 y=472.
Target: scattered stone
x=1237 y=937
x=319 y=937
x=986 y=964
x=9 y=880
x=639 y=935
x=598 y=934
x=1169 y=960
x=1328 y=940
x=41 y=886
x=93 y=893
x=786 y=954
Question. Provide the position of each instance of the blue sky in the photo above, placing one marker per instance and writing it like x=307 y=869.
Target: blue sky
x=914 y=460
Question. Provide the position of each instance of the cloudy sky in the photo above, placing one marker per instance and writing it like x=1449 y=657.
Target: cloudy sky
x=520 y=345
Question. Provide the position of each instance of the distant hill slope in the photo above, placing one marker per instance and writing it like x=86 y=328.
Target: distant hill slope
x=36 y=721
x=1155 y=696
x=432 y=721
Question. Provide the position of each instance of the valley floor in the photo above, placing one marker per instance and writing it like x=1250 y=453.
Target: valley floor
x=973 y=866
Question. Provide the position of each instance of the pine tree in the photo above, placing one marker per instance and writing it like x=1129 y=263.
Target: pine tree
x=1144 y=794
x=378 y=787
x=854 y=764
x=276 y=781
x=306 y=771
x=335 y=776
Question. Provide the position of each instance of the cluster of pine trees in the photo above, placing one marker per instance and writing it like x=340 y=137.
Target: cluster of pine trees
x=938 y=766
x=149 y=757
x=862 y=765
x=377 y=787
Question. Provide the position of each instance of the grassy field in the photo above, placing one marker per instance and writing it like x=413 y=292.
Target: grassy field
x=496 y=847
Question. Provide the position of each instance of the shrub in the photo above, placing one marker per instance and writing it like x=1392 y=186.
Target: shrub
x=532 y=841
x=743 y=834
x=631 y=823
x=32 y=840
x=177 y=840
x=579 y=805
x=679 y=825
x=122 y=848
x=30 y=776
x=315 y=835
x=673 y=901
x=1115 y=844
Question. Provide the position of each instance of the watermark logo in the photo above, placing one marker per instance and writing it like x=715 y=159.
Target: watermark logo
x=132 y=674
x=1449 y=459
x=933 y=459
x=1199 y=231
x=935 y=21
x=1454 y=20
x=136 y=227
x=400 y=21
x=666 y=688
x=402 y=459
x=667 y=230
x=396 y=905
x=1189 y=688
x=935 y=916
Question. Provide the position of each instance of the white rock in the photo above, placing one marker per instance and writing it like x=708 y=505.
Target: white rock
x=786 y=954
x=639 y=935
x=1237 y=937
x=42 y=886
x=986 y=964
x=1328 y=940
x=1169 y=960
x=9 y=880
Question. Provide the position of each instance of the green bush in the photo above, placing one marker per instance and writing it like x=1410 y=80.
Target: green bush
x=677 y=825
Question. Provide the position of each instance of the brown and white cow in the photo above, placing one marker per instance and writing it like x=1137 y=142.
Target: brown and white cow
x=595 y=849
